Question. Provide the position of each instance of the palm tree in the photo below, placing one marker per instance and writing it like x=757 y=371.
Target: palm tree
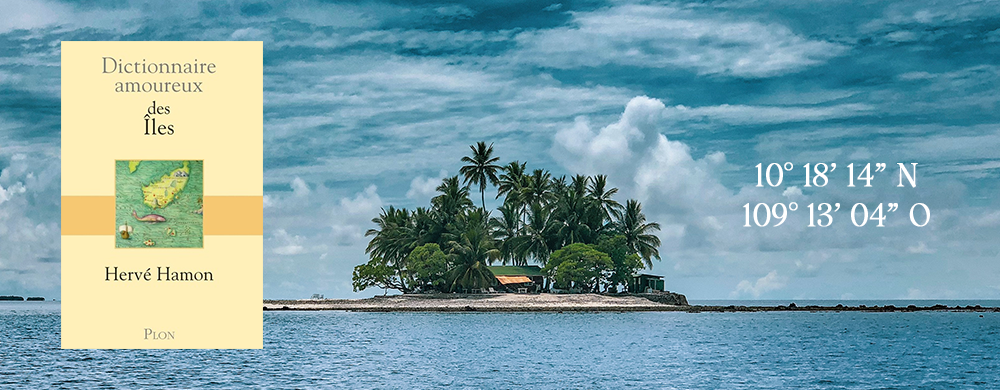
x=472 y=252
x=481 y=170
x=454 y=197
x=538 y=235
x=538 y=189
x=506 y=229
x=392 y=242
x=426 y=226
x=453 y=200
x=512 y=178
x=638 y=233
x=603 y=197
x=578 y=185
x=574 y=219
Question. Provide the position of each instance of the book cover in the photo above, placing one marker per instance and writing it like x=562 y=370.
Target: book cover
x=153 y=135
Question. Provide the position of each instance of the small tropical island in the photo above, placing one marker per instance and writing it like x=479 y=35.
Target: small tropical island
x=554 y=243
x=551 y=234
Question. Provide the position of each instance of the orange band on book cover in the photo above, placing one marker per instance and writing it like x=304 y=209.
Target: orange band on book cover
x=226 y=215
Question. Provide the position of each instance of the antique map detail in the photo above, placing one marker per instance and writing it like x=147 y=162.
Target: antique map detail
x=158 y=204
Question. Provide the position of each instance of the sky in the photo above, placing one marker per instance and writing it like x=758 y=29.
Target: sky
x=369 y=104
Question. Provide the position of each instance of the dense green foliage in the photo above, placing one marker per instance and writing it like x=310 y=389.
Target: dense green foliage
x=624 y=262
x=584 y=239
x=429 y=266
x=579 y=266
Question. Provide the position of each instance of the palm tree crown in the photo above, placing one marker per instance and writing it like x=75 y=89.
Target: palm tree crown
x=603 y=197
x=638 y=233
x=481 y=169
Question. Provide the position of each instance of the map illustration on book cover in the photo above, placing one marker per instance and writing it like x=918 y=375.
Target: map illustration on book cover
x=158 y=203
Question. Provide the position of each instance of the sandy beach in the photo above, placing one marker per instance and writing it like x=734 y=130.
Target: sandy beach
x=480 y=302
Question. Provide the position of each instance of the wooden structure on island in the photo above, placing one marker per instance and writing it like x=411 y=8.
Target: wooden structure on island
x=526 y=279
x=642 y=283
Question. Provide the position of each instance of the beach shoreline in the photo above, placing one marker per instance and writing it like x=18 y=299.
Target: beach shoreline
x=504 y=302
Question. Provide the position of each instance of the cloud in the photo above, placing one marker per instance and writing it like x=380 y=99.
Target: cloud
x=304 y=230
x=299 y=187
x=920 y=248
x=6 y=194
x=38 y=14
x=352 y=217
x=988 y=219
x=29 y=14
x=913 y=293
x=648 y=165
x=770 y=282
x=408 y=109
x=792 y=192
x=930 y=13
x=287 y=244
x=762 y=115
x=423 y=188
x=666 y=36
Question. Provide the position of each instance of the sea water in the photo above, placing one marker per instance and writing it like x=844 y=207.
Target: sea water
x=534 y=350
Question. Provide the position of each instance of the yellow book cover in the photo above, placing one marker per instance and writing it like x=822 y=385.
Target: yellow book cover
x=162 y=194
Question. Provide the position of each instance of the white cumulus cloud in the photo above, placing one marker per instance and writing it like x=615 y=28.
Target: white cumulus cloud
x=422 y=187
x=299 y=187
x=770 y=282
x=352 y=217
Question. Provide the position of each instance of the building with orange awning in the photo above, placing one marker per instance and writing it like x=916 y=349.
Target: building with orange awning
x=519 y=279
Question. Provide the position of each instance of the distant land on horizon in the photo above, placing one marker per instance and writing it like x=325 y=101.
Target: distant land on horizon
x=18 y=298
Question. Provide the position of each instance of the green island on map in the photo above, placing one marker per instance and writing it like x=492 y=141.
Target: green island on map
x=158 y=203
x=161 y=193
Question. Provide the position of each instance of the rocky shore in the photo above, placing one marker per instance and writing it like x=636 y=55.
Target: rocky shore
x=566 y=303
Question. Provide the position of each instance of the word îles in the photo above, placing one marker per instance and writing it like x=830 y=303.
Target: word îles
x=151 y=127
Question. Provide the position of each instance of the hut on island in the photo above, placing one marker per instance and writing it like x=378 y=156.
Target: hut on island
x=642 y=283
x=527 y=279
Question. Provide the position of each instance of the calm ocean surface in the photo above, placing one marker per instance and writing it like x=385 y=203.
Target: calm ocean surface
x=536 y=350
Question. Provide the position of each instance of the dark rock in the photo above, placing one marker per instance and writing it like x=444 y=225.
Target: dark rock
x=666 y=298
